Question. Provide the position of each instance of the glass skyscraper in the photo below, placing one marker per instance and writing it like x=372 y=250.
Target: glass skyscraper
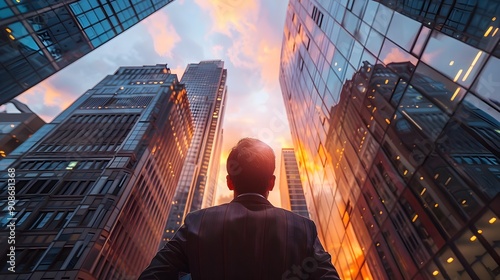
x=206 y=89
x=291 y=190
x=39 y=38
x=394 y=112
x=17 y=127
x=93 y=187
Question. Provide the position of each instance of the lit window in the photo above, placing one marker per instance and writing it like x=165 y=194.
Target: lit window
x=71 y=165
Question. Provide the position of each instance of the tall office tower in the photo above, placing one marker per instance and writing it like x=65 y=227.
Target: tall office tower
x=291 y=191
x=394 y=111
x=93 y=188
x=17 y=127
x=206 y=88
x=39 y=38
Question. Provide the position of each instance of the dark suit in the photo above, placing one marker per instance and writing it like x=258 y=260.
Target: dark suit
x=247 y=238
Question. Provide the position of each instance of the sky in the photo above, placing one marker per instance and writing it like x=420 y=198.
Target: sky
x=245 y=34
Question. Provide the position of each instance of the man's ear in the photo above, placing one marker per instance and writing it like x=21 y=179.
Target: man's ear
x=229 y=182
x=270 y=185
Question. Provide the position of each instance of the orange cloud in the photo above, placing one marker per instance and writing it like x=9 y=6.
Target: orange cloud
x=217 y=50
x=231 y=15
x=46 y=100
x=269 y=61
x=163 y=33
x=254 y=45
x=396 y=55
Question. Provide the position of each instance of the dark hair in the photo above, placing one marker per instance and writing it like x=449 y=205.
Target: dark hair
x=250 y=165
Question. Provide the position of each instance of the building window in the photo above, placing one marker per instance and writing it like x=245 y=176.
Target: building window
x=42 y=187
x=28 y=259
x=88 y=217
x=317 y=16
x=301 y=63
x=42 y=220
x=54 y=258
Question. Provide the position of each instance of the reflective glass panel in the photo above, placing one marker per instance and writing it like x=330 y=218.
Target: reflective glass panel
x=455 y=59
x=362 y=31
x=374 y=42
x=442 y=91
x=379 y=267
x=403 y=30
x=452 y=265
x=360 y=228
x=350 y=22
x=413 y=248
x=368 y=57
x=475 y=254
x=488 y=227
x=390 y=266
x=433 y=198
x=391 y=53
x=461 y=194
x=432 y=272
x=423 y=224
x=422 y=113
x=488 y=84
x=382 y=19
x=472 y=144
x=356 y=53
x=370 y=12
x=422 y=38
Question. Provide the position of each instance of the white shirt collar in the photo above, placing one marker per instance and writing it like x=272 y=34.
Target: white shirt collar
x=257 y=194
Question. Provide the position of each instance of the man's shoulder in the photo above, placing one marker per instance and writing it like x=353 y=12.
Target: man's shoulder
x=220 y=210
x=295 y=216
x=211 y=209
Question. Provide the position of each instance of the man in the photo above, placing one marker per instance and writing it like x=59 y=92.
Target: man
x=247 y=238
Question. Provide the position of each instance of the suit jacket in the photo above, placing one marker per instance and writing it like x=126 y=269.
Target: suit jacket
x=247 y=238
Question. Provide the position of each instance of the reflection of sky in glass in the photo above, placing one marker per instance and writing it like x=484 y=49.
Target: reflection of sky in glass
x=370 y=12
x=374 y=42
x=17 y=32
x=382 y=19
x=489 y=114
x=29 y=42
x=403 y=30
x=422 y=38
x=392 y=53
x=488 y=83
x=457 y=60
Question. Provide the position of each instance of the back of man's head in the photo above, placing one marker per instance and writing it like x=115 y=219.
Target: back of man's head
x=250 y=166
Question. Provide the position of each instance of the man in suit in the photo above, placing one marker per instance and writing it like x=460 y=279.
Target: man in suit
x=247 y=238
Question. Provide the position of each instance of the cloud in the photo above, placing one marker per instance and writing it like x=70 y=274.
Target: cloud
x=230 y=15
x=163 y=33
x=269 y=59
x=217 y=50
x=47 y=99
x=397 y=55
x=238 y=20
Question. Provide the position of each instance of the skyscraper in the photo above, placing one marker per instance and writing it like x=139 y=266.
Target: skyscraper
x=291 y=192
x=39 y=38
x=394 y=113
x=17 y=127
x=93 y=188
x=206 y=89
